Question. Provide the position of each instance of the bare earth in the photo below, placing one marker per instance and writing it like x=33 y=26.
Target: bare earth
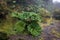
x=51 y=32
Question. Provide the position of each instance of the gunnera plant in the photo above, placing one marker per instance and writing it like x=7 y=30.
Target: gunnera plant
x=28 y=22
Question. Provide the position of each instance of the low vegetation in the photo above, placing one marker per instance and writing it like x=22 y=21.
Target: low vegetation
x=28 y=21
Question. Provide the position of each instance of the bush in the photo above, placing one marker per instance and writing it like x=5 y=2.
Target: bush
x=28 y=22
x=46 y=15
x=56 y=14
x=43 y=12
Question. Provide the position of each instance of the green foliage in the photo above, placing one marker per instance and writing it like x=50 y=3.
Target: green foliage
x=7 y=28
x=27 y=16
x=43 y=12
x=34 y=29
x=14 y=14
x=28 y=22
x=19 y=26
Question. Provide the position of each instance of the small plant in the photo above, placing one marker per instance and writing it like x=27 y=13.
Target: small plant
x=56 y=14
x=28 y=22
x=46 y=16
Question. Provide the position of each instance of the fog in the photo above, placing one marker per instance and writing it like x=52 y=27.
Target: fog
x=56 y=1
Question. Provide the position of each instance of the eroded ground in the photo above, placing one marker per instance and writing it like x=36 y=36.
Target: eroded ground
x=51 y=32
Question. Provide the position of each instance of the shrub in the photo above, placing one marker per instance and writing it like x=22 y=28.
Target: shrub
x=28 y=22
x=56 y=14
x=43 y=12
x=46 y=15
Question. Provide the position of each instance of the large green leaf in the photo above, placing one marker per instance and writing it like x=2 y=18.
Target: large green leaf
x=14 y=14
x=34 y=29
x=30 y=16
x=19 y=27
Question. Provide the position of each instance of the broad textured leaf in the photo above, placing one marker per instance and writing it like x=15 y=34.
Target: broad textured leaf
x=19 y=26
x=31 y=16
x=14 y=14
x=34 y=29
